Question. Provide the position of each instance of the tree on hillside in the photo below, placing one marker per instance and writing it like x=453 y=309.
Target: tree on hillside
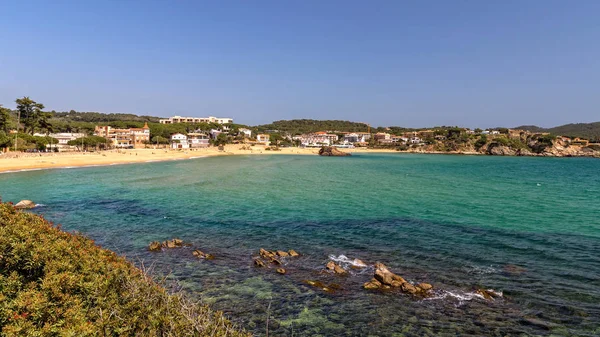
x=29 y=113
x=221 y=140
x=4 y=119
x=275 y=139
x=44 y=123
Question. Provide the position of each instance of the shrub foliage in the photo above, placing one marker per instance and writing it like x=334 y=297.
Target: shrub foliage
x=54 y=283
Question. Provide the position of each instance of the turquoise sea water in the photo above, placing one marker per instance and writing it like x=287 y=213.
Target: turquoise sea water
x=526 y=227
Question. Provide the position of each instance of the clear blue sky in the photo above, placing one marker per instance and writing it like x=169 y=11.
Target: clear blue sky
x=421 y=63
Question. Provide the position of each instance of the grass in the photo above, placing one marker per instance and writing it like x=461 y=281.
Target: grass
x=54 y=283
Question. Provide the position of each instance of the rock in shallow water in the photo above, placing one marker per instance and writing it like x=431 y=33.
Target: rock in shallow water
x=332 y=152
x=25 y=204
x=385 y=279
x=200 y=254
x=155 y=246
x=337 y=269
x=373 y=284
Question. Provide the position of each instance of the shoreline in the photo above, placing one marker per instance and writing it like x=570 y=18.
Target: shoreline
x=24 y=162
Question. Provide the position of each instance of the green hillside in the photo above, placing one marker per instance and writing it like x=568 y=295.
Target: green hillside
x=298 y=126
x=589 y=131
x=96 y=117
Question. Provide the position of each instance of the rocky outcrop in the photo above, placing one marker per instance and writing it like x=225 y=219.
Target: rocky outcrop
x=155 y=246
x=173 y=243
x=332 y=152
x=501 y=151
x=268 y=257
x=383 y=278
x=336 y=268
x=25 y=204
x=487 y=294
x=281 y=253
x=358 y=264
x=524 y=152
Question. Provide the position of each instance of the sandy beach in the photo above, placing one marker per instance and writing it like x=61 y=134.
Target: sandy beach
x=11 y=162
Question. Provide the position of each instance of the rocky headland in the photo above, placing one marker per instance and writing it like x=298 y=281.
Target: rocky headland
x=531 y=145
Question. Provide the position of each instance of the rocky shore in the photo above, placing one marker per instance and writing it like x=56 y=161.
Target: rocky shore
x=520 y=148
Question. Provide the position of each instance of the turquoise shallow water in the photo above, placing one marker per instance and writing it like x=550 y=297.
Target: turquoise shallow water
x=526 y=227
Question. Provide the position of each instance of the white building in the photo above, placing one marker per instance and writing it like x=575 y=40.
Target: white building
x=63 y=139
x=210 y=119
x=399 y=139
x=317 y=139
x=196 y=140
x=263 y=138
x=179 y=141
x=357 y=137
x=247 y=132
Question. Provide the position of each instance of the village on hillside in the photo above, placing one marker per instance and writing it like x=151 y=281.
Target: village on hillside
x=223 y=131
x=30 y=129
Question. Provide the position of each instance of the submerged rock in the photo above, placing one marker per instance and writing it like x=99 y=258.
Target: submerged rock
x=281 y=271
x=25 y=204
x=514 y=270
x=331 y=151
x=259 y=263
x=487 y=294
x=540 y=323
x=200 y=254
x=327 y=288
x=155 y=246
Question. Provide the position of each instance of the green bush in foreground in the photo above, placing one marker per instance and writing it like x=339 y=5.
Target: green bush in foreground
x=53 y=283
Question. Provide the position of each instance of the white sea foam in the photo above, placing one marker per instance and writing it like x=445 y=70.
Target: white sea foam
x=481 y=270
x=345 y=260
x=353 y=266
x=460 y=297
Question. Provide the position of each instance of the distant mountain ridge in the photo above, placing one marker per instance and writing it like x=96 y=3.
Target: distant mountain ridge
x=589 y=131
